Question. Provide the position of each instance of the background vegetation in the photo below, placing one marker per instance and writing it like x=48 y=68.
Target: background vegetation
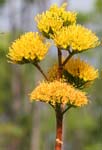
x=26 y=126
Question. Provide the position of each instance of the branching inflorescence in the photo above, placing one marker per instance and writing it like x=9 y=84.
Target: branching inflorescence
x=64 y=81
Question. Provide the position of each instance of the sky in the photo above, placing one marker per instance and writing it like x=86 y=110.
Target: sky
x=75 y=5
x=81 y=5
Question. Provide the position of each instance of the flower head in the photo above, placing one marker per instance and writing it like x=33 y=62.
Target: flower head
x=54 y=19
x=77 y=37
x=79 y=72
x=53 y=72
x=76 y=72
x=30 y=47
x=58 y=92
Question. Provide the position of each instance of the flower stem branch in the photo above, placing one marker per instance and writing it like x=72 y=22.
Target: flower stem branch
x=66 y=109
x=59 y=57
x=40 y=69
x=66 y=60
x=59 y=64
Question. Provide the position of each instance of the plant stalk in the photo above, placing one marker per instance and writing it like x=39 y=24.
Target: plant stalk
x=66 y=60
x=41 y=71
x=59 y=130
x=59 y=64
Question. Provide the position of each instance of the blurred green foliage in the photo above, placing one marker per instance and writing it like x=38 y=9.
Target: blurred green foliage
x=4 y=43
x=5 y=76
x=94 y=147
x=83 y=127
x=2 y=2
x=31 y=1
x=11 y=130
x=98 y=5
x=83 y=18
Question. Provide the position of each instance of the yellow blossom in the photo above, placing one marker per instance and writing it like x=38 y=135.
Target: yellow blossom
x=54 y=19
x=76 y=72
x=30 y=47
x=58 y=92
x=77 y=37
x=80 y=69
x=52 y=72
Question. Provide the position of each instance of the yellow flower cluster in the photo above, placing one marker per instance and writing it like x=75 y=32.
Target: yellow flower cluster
x=30 y=47
x=54 y=19
x=58 y=92
x=76 y=72
x=52 y=72
x=60 y=25
x=81 y=69
x=77 y=37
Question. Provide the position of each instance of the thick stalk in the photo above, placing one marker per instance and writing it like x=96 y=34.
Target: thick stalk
x=59 y=130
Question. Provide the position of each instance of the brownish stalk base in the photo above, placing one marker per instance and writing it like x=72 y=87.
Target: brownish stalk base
x=59 y=120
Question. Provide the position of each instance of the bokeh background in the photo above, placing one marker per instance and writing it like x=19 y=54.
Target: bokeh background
x=31 y=126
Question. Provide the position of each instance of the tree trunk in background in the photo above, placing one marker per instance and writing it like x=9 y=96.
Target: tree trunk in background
x=42 y=5
x=35 y=136
x=64 y=1
x=16 y=76
x=16 y=91
x=26 y=19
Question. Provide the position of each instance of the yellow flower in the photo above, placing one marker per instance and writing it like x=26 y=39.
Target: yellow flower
x=52 y=20
x=30 y=47
x=81 y=69
x=53 y=72
x=77 y=37
x=58 y=92
x=77 y=72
